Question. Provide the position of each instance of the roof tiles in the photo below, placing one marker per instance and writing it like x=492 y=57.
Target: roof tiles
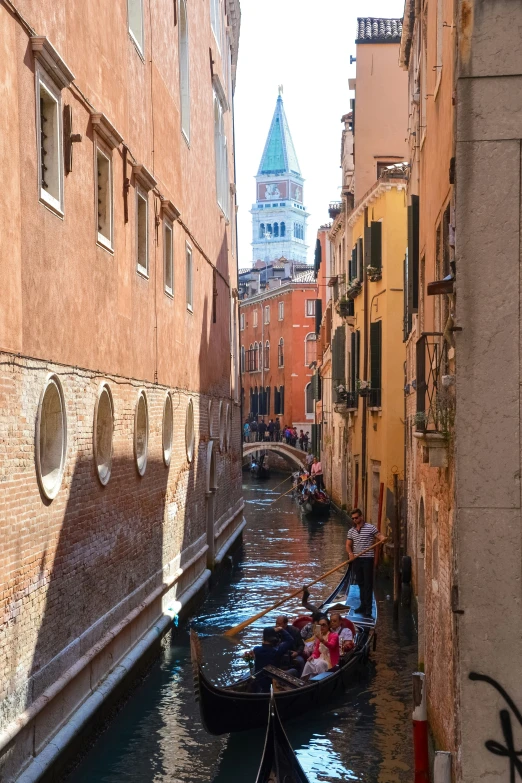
x=374 y=30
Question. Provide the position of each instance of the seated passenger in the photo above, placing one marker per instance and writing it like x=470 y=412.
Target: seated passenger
x=294 y=657
x=326 y=650
x=271 y=652
x=345 y=635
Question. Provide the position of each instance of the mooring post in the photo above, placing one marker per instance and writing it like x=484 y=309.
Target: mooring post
x=420 y=729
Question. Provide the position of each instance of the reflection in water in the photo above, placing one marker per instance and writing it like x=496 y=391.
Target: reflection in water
x=365 y=736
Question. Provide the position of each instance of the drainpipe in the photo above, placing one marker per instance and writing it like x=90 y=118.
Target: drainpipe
x=365 y=377
x=442 y=767
x=420 y=730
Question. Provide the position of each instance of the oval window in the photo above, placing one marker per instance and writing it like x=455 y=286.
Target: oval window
x=168 y=425
x=103 y=432
x=221 y=426
x=141 y=433
x=189 y=431
x=51 y=438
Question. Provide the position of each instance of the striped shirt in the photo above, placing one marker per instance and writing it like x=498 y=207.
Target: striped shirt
x=363 y=539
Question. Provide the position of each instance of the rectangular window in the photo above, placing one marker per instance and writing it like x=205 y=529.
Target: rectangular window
x=255 y=318
x=267 y=314
x=215 y=20
x=310 y=308
x=142 y=232
x=168 y=257
x=189 y=278
x=104 y=198
x=50 y=174
x=221 y=158
x=184 y=65
x=281 y=310
x=376 y=245
x=375 y=364
x=242 y=322
x=135 y=13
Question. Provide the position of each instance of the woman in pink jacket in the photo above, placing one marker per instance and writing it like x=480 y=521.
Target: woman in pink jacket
x=325 y=654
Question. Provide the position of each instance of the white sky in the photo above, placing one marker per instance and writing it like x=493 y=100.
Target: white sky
x=305 y=46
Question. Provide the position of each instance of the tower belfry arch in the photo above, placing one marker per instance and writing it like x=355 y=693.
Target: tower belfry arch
x=279 y=214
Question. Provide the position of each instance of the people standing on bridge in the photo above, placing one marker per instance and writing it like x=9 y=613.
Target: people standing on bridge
x=253 y=431
x=277 y=429
x=306 y=439
x=316 y=472
x=261 y=429
x=293 y=441
x=246 y=431
x=271 y=430
x=301 y=439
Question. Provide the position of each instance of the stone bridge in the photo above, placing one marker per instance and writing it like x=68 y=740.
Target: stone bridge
x=296 y=456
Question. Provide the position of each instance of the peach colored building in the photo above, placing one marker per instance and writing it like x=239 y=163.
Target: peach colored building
x=278 y=345
x=120 y=463
x=462 y=333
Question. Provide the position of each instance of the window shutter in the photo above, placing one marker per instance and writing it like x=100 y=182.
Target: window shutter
x=282 y=399
x=358 y=356
x=353 y=361
x=411 y=273
x=318 y=315
x=376 y=244
x=353 y=264
x=367 y=246
x=267 y=400
x=317 y=257
x=359 y=270
x=276 y=400
x=375 y=354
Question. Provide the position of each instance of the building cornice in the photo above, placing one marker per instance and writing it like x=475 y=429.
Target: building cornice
x=143 y=177
x=375 y=192
x=106 y=130
x=45 y=53
x=408 y=24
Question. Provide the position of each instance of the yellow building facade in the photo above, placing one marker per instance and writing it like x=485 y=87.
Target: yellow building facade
x=375 y=350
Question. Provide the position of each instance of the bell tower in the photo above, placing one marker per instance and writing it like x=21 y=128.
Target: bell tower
x=279 y=215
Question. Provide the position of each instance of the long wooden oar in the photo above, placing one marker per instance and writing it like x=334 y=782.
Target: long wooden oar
x=287 y=492
x=237 y=628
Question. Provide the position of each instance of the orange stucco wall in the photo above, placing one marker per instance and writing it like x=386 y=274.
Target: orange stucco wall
x=89 y=307
x=294 y=327
x=381 y=112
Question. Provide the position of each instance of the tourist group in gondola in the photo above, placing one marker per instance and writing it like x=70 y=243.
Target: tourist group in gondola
x=300 y=663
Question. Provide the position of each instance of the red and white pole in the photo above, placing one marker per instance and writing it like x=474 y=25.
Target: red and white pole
x=420 y=730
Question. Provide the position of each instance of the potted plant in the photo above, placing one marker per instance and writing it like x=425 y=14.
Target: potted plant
x=373 y=273
x=354 y=287
x=344 y=307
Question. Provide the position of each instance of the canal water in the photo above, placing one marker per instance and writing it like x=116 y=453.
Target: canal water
x=366 y=736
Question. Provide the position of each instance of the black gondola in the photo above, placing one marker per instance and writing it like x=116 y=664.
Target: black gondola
x=315 y=506
x=237 y=707
x=259 y=468
x=279 y=763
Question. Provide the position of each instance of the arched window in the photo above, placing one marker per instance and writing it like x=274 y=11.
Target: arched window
x=260 y=362
x=269 y=230
x=280 y=354
x=276 y=229
x=309 y=401
x=295 y=230
x=261 y=231
x=267 y=355
x=254 y=357
x=184 y=82
x=267 y=401
x=242 y=358
x=283 y=229
x=310 y=348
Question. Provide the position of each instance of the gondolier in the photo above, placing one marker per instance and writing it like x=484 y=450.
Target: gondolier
x=360 y=537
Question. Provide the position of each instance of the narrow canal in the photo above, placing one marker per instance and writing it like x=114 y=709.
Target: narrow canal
x=158 y=736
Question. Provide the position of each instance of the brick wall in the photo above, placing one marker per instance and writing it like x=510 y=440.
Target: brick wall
x=71 y=569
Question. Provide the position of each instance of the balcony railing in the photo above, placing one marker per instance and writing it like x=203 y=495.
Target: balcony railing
x=435 y=403
x=350 y=399
x=335 y=208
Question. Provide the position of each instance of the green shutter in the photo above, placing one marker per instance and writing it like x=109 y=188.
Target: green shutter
x=360 y=255
x=353 y=264
x=375 y=354
x=367 y=246
x=277 y=401
x=376 y=244
x=353 y=360
x=318 y=315
x=282 y=399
